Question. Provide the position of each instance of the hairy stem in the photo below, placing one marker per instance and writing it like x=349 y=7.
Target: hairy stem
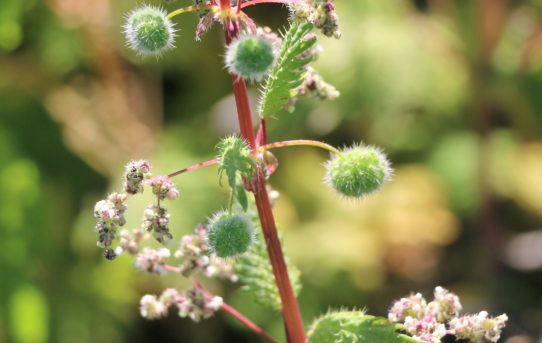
x=301 y=142
x=194 y=167
x=290 y=309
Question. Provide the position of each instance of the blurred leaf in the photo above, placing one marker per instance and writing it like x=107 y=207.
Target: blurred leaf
x=355 y=327
x=29 y=315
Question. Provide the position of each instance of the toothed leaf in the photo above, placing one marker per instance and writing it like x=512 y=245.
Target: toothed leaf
x=256 y=275
x=355 y=327
x=286 y=75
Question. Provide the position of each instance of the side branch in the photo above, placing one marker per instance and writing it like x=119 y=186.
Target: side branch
x=194 y=167
x=301 y=142
x=230 y=310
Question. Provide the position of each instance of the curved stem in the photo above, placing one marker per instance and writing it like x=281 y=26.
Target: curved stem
x=188 y=9
x=236 y=314
x=194 y=167
x=256 y=2
x=301 y=142
x=228 y=309
x=249 y=324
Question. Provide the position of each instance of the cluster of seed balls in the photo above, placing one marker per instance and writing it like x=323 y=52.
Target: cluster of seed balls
x=354 y=172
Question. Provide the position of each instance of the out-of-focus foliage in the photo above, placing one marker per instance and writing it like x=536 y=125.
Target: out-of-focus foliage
x=450 y=90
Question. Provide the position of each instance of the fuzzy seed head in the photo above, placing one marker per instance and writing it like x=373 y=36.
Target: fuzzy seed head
x=148 y=31
x=250 y=57
x=358 y=171
x=229 y=235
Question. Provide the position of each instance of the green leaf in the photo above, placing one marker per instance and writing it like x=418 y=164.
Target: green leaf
x=235 y=161
x=287 y=73
x=256 y=274
x=355 y=327
x=241 y=196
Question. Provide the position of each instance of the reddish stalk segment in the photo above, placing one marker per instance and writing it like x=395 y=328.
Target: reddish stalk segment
x=245 y=321
x=301 y=142
x=256 y=2
x=194 y=167
x=230 y=310
x=293 y=322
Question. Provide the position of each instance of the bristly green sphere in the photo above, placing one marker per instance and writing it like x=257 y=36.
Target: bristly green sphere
x=229 y=235
x=148 y=31
x=250 y=57
x=358 y=171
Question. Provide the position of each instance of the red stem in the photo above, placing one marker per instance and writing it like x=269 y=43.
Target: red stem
x=233 y=312
x=245 y=321
x=194 y=167
x=293 y=322
x=256 y=2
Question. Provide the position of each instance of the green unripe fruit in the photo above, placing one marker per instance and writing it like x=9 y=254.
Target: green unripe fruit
x=149 y=31
x=229 y=234
x=250 y=57
x=358 y=171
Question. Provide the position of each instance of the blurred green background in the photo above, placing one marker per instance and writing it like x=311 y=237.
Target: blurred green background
x=452 y=90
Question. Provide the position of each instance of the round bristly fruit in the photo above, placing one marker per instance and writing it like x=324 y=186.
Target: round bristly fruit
x=250 y=57
x=149 y=31
x=358 y=171
x=229 y=234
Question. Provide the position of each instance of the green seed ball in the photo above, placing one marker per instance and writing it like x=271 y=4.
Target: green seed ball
x=250 y=57
x=149 y=31
x=358 y=171
x=229 y=235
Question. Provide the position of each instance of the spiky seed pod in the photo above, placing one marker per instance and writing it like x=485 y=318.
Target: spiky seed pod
x=358 y=171
x=229 y=234
x=250 y=57
x=148 y=31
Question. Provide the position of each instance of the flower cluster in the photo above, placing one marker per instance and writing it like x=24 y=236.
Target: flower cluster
x=163 y=188
x=479 y=326
x=156 y=220
x=315 y=85
x=321 y=13
x=194 y=251
x=134 y=175
x=130 y=241
x=429 y=322
x=194 y=303
x=109 y=214
x=152 y=260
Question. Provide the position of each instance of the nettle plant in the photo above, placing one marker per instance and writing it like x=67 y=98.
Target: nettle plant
x=240 y=243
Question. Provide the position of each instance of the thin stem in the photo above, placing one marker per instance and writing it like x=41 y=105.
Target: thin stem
x=301 y=142
x=236 y=314
x=194 y=167
x=249 y=324
x=227 y=308
x=188 y=9
x=257 y=2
